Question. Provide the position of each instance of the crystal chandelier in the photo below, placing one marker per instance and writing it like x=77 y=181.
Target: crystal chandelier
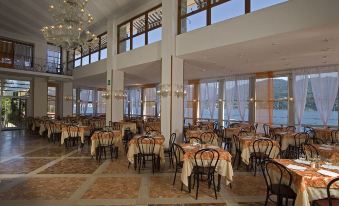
x=70 y=30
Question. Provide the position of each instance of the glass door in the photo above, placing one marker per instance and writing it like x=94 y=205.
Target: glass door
x=13 y=112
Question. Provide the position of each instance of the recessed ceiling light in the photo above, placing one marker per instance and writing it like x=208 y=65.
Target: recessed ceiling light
x=203 y=70
x=274 y=44
x=325 y=40
x=324 y=57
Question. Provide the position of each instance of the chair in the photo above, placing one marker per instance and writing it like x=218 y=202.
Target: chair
x=330 y=200
x=262 y=149
x=275 y=185
x=178 y=153
x=55 y=132
x=295 y=150
x=266 y=130
x=106 y=142
x=334 y=136
x=169 y=150
x=290 y=129
x=195 y=139
x=207 y=137
x=310 y=151
x=73 y=136
x=146 y=147
x=243 y=133
x=116 y=126
x=205 y=166
x=253 y=128
x=236 y=143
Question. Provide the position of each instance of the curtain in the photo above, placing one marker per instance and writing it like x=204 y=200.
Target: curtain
x=300 y=83
x=135 y=101
x=325 y=89
x=101 y=105
x=229 y=93
x=188 y=101
x=208 y=99
x=242 y=88
x=149 y=101
x=86 y=99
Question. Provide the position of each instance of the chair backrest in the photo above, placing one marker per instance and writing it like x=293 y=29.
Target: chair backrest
x=300 y=138
x=146 y=145
x=290 y=129
x=207 y=160
x=262 y=146
x=266 y=130
x=276 y=174
x=116 y=125
x=243 y=133
x=195 y=139
x=105 y=138
x=172 y=139
x=253 y=128
x=334 y=136
x=330 y=201
x=147 y=129
x=310 y=151
x=179 y=152
x=207 y=137
x=73 y=131
x=236 y=142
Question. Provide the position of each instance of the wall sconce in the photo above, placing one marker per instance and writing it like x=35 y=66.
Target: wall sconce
x=68 y=98
x=291 y=99
x=252 y=99
x=119 y=94
x=165 y=90
x=180 y=91
x=106 y=94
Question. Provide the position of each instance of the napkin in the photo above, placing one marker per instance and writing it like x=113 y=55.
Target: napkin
x=296 y=167
x=331 y=167
x=328 y=173
x=213 y=147
x=325 y=148
x=327 y=145
x=303 y=161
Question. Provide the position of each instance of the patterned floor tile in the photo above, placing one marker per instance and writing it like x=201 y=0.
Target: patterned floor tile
x=43 y=189
x=49 y=152
x=114 y=188
x=22 y=165
x=246 y=185
x=73 y=166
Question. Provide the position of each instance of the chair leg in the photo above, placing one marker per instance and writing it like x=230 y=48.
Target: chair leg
x=197 y=190
x=267 y=196
x=215 y=190
x=175 y=175
x=239 y=160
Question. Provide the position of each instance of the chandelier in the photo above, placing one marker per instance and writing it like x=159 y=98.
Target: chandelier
x=70 y=30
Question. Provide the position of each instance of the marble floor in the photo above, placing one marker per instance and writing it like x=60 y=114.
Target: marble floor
x=36 y=172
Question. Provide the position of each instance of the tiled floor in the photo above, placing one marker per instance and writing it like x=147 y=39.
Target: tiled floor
x=36 y=172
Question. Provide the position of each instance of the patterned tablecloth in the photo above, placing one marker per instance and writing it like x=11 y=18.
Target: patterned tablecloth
x=229 y=132
x=309 y=185
x=287 y=138
x=324 y=133
x=246 y=146
x=83 y=131
x=197 y=133
x=224 y=166
x=117 y=139
x=328 y=152
x=131 y=125
x=158 y=148
x=154 y=125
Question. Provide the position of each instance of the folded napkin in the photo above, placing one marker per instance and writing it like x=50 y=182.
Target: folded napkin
x=213 y=147
x=247 y=137
x=327 y=145
x=326 y=148
x=303 y=161
x=328 y=173
x=296 y=167
x=331 y=167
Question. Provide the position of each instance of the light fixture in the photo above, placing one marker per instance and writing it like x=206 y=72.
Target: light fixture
x=252 y=99
x=291 y=99
x=68 y=98
x=180 y=91
x=164 y=90
x=106 y=94
x=119 y=94
x=70 y=28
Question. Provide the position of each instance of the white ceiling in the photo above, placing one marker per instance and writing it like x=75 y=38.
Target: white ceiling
x=27 y=17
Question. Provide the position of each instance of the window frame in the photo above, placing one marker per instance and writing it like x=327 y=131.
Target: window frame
x=131 y=36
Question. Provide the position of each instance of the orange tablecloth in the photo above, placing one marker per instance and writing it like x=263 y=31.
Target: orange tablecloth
x=309 y=185
x=197 y=133
x=117 y=139
x=83 y=130
x=328 y=152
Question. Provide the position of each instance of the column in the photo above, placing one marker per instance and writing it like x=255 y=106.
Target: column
x=109 y=67
x=39 y=97
x=221 y=102
x=78 y=104
x=67 y=95
x=291 y=120
x=172 y=114
x=251 y=104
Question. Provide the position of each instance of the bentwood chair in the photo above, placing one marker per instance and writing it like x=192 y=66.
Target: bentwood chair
x=73 y=136
x=330 y=200
x=236 y=144
x=169 y=150
x=334 y=136
x=146 y=147
x=262 y=149
x=275 y=185
x=205 y=167
x=178 y=153
x=310 y=151
x=207 y=137
x=106 y=142
x=266 y=130
x=294 y=151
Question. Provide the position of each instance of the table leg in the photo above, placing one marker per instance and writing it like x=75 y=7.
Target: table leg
x=96 y=153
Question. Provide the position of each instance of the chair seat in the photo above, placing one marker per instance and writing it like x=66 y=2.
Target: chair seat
x=324 y=202
x=285 y=191
x=259 y=155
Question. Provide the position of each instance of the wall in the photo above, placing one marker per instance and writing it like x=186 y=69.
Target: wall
x=95 y=68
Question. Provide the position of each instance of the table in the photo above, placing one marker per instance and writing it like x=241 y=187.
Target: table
x=328 y=152
x=158 y=148
x=83 y=130
x=309 y=185
x=154 y=125
x=117 y=139
x=224 y=167
x=229 y=132
x=197 y=133
x=131 y=125
x=246 y=147
x=323 y=133
x=287 y=138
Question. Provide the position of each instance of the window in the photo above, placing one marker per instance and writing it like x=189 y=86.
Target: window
x=133 y=102
x=16 y=88
x=86 y=102
x=150 y=102
x=54 y=54
x=189 y=103
x=236 y=97
x=51 y=103
x=14 y=54
x=101 y=103
x=260 y=4
x=87 y=55
x=194 y=14
x=209 y=100
x=140 y=30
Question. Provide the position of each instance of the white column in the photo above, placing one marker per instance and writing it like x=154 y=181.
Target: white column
x=67 y=105
x=109 y=67
x=172 y=114
x=291 y=117
x=221 y=103
x=39 y=97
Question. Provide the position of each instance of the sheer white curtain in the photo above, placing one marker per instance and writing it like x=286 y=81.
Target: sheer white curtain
x=135 y=101
x=325 y=83
x=229 y=93
x=242 y=92
x=86 y=99
x=150 y=97
x=300 y=83
x=208 y=99
x=188 y=101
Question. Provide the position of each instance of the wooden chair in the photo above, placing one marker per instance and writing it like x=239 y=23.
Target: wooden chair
x=330 y=200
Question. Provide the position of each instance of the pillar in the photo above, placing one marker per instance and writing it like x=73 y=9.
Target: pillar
x=221 y=102
x=109 y=67
x=67 y=104
x=291 y=120
x=40 y=96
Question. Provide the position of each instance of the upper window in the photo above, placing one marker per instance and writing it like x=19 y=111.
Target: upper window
x=15 y=54
x=141 y=30
x=88 y=55
x=195 y=14
x=54 y=56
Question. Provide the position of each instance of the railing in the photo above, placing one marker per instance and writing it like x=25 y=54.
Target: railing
x=28 y=63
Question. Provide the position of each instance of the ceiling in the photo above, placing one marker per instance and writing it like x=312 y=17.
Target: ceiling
x=27 y=17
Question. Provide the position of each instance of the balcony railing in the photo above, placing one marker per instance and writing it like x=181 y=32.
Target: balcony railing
x=28 y=63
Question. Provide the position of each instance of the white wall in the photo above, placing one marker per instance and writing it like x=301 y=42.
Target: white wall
x=39 y=96
x=95 y=68
x=286 y=17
